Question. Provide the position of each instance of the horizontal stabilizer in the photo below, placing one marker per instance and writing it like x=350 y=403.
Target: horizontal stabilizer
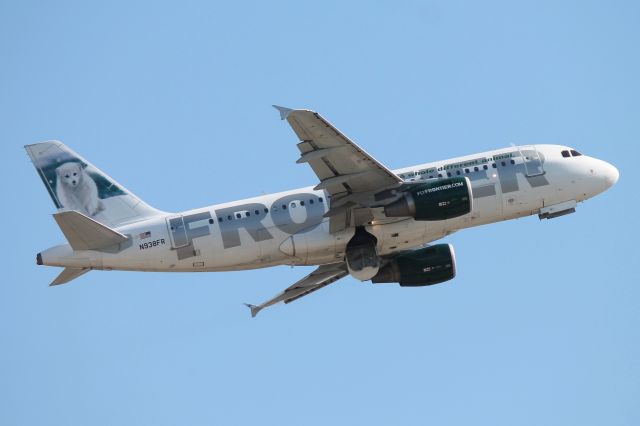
x=69 y=274
x=84 y=233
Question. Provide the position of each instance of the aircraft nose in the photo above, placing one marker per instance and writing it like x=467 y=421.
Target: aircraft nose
x=610 y=173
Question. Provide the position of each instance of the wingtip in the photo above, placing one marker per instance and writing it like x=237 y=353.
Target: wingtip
x=284 y=111
x=254 y=309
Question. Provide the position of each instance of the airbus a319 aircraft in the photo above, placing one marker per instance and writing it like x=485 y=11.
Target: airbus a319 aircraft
x=360 y=219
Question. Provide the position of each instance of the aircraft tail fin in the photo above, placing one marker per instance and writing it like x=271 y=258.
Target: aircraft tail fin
x=84 y=233
x=75 y=184
x=69 y=274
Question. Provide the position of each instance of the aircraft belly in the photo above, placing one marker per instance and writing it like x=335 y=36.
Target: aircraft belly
x=315 y=246
x=403 y=235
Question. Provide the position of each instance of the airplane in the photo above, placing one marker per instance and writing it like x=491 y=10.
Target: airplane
x=361 y=218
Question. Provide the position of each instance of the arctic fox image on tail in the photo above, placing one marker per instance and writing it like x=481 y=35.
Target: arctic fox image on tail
x=76 y=190
x=75 y=184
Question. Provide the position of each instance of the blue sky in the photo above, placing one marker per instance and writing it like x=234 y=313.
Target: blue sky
x=542 y=324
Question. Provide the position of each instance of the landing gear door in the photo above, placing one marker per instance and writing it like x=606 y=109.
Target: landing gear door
x=177 y=232
x=532 y=161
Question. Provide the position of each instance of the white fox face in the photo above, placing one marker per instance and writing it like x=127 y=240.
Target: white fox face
x=70 y=174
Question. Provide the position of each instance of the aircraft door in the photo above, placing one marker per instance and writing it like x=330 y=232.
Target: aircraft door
x=532 y=161
x=177 y=232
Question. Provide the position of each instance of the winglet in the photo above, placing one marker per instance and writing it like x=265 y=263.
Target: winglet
x=254 y=309
x=284 y=112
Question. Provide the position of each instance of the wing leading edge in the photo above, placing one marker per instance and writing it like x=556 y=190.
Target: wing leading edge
x=346 y=171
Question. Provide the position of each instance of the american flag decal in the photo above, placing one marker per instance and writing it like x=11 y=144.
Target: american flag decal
x=145 y=235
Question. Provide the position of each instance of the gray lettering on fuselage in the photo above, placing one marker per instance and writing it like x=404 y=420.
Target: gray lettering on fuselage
x=509 y=175
x=198 y=231
x=481 y=183
x=484 y=191
x=282 y=217
x=188 y=251
x=252 y=223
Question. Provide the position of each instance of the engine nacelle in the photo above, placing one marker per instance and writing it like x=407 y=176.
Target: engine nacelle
x=444 y=199
x=427 y=266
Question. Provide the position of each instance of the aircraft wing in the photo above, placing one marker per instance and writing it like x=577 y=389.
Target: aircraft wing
x=348 y=173
x=321 y=277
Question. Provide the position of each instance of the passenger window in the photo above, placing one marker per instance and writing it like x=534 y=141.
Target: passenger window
x=257 y=212
x=302 y=203
x=319 y=199
x=458 y=172
x=485 y=167
x=449 y=174
x=311 y=201
x=565 y=154
x=247 y=214
x=503 y=163
x=439 y=174
x=238 y=215
x=475 y=169
x=575 y=153
x=266 y=210
x=513 y=161
x=494 y=165
x=293 y=205
x=220 y=219
x=211 y=221
x=229 y=217
x=284 y=207
x=466 y=170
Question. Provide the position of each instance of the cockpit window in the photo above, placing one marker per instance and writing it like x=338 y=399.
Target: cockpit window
x=575 y=153
x=566 y=154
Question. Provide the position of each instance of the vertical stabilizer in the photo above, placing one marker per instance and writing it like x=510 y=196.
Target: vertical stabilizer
x=75 y=184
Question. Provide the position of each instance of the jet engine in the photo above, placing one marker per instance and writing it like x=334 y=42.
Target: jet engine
x=362 y=257
x=440 y=200
x=427 y=266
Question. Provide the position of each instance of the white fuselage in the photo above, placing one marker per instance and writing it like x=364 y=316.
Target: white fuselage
x=289 y=228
